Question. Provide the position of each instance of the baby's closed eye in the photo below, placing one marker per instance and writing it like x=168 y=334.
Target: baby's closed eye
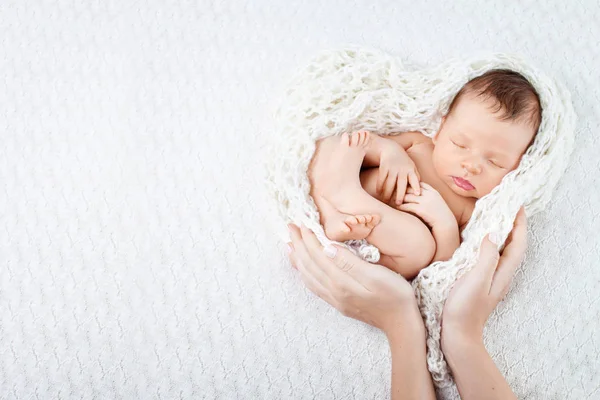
x=458 y=145
x=495 y=164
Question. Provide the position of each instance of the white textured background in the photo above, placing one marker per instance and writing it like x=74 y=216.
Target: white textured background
x=136 y=254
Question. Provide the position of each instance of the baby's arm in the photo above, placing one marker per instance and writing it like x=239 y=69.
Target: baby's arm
x=379 y=144
x=433 y=210
x=396 y=169
x=447 y=240
x=444 y=227
x=405 y=243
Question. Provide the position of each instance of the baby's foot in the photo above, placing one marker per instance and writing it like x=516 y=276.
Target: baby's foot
x=341 y=227
x=343 y=165
x=360 y=226
x=334 y=176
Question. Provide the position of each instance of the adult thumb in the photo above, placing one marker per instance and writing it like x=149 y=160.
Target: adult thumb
x=487 y=261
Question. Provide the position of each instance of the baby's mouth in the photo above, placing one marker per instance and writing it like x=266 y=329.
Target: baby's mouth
x=463 y=183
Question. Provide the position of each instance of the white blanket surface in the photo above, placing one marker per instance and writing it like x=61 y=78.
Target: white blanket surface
x=139 y=256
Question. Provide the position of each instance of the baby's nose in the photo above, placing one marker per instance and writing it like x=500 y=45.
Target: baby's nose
x=472 y=167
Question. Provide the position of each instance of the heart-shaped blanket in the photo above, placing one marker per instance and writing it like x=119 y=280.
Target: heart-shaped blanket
x=351 y=89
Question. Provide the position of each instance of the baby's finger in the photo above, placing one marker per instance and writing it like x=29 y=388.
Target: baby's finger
x=390 y=184
x=409 y=208
x=400 y=189
x=394 y=195
x=381 y=177
x=414 y=182
x=412 y=198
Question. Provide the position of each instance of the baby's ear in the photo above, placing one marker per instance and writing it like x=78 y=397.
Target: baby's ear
x=434 y=139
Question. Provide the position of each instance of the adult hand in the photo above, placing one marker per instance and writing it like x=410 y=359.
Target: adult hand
x=373 y=294
x=467 y=309
x=367 y=292
x=478 y=292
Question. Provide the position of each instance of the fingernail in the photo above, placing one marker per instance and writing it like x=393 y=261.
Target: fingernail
x=494 y=238
x=330 y=251
x=290 y=248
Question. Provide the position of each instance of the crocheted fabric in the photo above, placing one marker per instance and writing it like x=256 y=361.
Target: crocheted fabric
x=351 y=89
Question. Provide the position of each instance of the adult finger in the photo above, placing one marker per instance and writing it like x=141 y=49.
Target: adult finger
x=381 y=177
x=353 y=274
x=337 y=275
x=309 y=281
x=487 y=262
x=303 y=256
x=414 y=182
x=290 y=251
x=400 y=189
x=314 y=248
x=511 y=258
x=313 y=284
x=520 y=221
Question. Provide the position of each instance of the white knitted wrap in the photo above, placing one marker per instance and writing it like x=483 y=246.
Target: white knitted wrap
x=351 y=89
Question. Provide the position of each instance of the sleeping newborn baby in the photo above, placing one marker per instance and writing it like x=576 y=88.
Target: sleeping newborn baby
x=411 y=196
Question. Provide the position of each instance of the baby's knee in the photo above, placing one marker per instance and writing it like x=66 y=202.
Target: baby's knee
x=422 y=247
x=419 y=250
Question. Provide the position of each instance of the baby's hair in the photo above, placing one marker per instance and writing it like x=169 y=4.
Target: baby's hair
x=514 y=95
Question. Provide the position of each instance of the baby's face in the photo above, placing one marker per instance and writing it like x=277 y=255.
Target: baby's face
x=474 y=150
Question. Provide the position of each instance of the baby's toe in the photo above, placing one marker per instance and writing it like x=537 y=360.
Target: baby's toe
x=375 y=220
x=364 y=137
x=351 y=220
x=345 y=139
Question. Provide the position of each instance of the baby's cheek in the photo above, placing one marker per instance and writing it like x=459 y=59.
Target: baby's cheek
x=495 y=181
x=435 y=160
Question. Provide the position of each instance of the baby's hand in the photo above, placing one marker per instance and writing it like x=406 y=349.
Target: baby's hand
x=396 y=171
x=429 y=206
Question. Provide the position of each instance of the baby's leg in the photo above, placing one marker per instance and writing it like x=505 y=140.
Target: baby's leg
x=337 y=225
x=405 y=241
x=368 y=181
